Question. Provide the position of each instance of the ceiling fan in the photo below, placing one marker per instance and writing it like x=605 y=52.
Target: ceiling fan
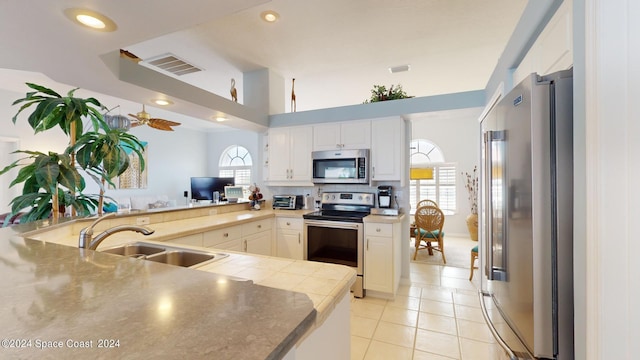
x=144 y=118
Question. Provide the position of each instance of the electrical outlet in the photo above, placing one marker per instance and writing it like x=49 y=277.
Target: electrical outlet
x=142 y=221
x=213 y=212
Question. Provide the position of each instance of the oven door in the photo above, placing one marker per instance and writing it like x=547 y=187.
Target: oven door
x=335 y=242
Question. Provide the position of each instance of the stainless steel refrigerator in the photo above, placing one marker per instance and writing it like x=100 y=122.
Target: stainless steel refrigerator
x=526 y=218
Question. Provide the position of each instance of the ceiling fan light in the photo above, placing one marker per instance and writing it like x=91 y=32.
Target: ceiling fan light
x=118 y=122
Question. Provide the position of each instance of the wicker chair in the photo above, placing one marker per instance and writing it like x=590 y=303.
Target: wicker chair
x=422 y=203
x=429 y=222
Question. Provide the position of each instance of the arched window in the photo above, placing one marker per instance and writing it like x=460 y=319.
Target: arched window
x=236 y=162
x=431 y=177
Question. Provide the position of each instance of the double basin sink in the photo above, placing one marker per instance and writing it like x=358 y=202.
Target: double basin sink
x=165 y=254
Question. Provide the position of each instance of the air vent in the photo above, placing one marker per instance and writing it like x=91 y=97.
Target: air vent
x=172 y=64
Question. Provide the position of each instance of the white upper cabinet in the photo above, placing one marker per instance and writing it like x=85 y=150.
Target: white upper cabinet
x=289 y=154
x=344 y=135
x=388 y=153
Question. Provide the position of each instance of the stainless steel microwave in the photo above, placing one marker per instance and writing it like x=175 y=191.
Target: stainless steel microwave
x=341 y=166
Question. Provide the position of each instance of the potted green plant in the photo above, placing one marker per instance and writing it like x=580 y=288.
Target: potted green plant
x=104 y=156
x=380 y=93
x=52 y=180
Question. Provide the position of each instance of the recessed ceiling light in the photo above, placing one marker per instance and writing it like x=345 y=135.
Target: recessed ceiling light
x=162 y=102
x=400 y=68
x=91 y=19
x=221 y=119
x=270 y=16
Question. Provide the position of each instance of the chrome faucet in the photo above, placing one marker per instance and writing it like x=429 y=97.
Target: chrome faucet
x=86 y=240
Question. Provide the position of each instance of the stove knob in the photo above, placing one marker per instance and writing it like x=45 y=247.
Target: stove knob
x=333 y=197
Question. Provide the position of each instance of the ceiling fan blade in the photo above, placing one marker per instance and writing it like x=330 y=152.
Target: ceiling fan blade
x=167 y=122
x=135 y=123
x=136 y=117
x=160 y=126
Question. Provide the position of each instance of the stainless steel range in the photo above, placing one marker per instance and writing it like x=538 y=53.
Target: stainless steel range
x=335 y=234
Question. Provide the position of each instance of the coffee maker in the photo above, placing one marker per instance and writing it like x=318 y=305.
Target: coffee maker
x=384 y=196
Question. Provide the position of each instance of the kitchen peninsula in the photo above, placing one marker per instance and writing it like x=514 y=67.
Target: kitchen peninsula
x=83 y=302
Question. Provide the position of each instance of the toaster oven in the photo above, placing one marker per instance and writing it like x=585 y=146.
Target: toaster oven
x=288 y=202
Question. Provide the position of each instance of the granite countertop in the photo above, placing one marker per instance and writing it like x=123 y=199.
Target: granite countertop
x=384 y=218
x=160 y=307
x=74 y=301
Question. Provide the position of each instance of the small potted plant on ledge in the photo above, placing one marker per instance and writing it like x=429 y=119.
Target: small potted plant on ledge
x=472 y=188
x=380 y=93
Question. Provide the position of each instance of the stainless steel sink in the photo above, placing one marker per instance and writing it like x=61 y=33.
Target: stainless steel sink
x=181 y=257
x=170 y=255
x=135 y=250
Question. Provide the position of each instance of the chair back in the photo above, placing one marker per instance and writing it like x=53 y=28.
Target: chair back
x=430 y=219
x=422 y=203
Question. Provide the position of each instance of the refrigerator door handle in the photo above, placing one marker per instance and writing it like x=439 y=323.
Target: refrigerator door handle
x=493 y=272
x=488 y=228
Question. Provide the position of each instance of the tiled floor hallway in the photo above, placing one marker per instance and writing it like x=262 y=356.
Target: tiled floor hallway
x=436 y=317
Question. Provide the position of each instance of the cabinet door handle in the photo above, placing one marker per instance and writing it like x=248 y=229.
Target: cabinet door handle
x=299 y=241
x=367 y=244
x=245 y=245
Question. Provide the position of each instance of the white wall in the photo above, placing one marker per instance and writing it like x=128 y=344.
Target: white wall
x=457 y=133
x=611 y=89
x=173 y=157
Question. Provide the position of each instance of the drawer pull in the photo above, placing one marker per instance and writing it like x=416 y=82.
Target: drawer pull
x=378 y=229
x=226 y=235
x=288 y=223
x=259 y=226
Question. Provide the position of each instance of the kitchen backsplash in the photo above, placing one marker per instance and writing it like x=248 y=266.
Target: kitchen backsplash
x=402 y=194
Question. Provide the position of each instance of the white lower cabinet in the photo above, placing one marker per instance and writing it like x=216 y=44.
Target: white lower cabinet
x=289 y=241
x=229 y=238
x=191 y=240
x=253 y=237
x=382 y=258
x=256 y=237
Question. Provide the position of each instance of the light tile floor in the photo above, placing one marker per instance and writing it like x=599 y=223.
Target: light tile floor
x=436 y=317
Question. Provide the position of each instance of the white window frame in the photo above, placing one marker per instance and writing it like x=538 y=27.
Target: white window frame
x=428 y=150
x=448 y=207
x=230 y=154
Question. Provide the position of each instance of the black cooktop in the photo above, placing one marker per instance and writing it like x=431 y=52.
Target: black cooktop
x=336 y=215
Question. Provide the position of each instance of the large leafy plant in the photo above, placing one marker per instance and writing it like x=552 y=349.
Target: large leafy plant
x=52 y=180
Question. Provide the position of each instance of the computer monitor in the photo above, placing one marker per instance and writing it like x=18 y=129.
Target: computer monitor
x=202 y=188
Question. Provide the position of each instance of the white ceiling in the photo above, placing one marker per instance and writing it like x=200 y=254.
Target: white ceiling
x=335 y=49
